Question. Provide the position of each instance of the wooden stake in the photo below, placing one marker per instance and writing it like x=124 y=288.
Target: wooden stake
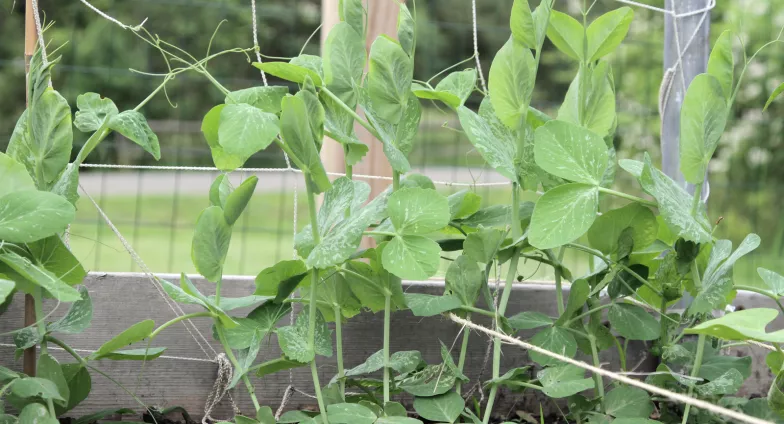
x=31 y=38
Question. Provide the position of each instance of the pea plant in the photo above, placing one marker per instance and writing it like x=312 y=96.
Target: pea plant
x=38 y=196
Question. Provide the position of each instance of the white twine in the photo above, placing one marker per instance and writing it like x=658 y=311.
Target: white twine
x=711 y=5
x=111 y=19
x=256 y=40
x=219 y=389
x=688 y=400
x=476 y=47
x=40 y=33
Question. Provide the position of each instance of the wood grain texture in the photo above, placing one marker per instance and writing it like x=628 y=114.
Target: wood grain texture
x=121 y=300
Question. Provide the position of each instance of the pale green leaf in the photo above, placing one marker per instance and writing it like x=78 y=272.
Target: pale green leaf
x=415 y=211
x=463 y=203
x=244 y=130
x=607 y=32
x=563 y=214
x=554 y=339
x=566 y=34
x=633 y=322
x=703 y=117
x=570 y=152
x=238 y=199
x=266 y=98
x=56 y=287
x=464 y=279
x=406 y=29
x=27 y=216
x=14 y=176
x=211 y=239
x=521 y=21
x=498 y=152
x=561 y=381
x=607 y=229
x=353 y=12
x=529 y=320
x=290 y=72
x=78 y=317
x=599 y=101
x=412 y=257
x=344 y=62
x=631 y=402
x=482 y=245
x=350 y=413
x=48 y=368
x=295 y=342
x=299 y=138
x=133 y=334
x=428 y=305
x=726 y=384
x=721 y=63
x=209 y=127
x=389 y=78
x=774 y=281
x=776 y=92
x=433 y=380
x=445 y=408
x=741 y=325
x=93 y=111
x=511 y=83
x=133 y=126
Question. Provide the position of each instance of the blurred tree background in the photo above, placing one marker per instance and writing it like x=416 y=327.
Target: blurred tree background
x=97 y=55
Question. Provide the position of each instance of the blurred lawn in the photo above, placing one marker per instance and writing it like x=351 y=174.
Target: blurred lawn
x=263 y=235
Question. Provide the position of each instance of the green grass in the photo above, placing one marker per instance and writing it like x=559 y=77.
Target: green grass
x=263 y=235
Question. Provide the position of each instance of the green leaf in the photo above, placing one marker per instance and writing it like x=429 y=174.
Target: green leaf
x=778 y=90
x=133 y=126
x=397 y=420
x=529 y=320
x=79 y=386
x=78 y=317
x=774 y=281
x=238 y=199
x=607 y=32
x=281 y=364
x=293 y=417
x=541 y=17
x=726 y=384
x=265 y=98
x=633 y=323
x=759 y=408
x=482 y=245
x=496 y=146
x=566 y=34
x=220 y=190
x=353 y=12
x=14 y=176
x=775 y=394
x=674 y=204
x=717 y=280
x=598 y=104
x=209 y=127
x=554 y=339
x=721 y=63
x=570 y=152
x=7 y=288
x=30 y=387
x=463 y=203
x=93 y=111
x=298 y=137
x=344 y=62
x=339 y=125
x=433 y=380
x=703 y=117
x=294 y=340
x=187 y=286
x=290 y=72
x=133 y=334
x=623 y=283
x=564 y=380
x=211 y=239
x=27 y=216
x=715 y=366
x=416 y=211
x=44 y=146
x=631 y=402
x=607 y=229
x=336 y=291
x=244 y=130
x=412 y=257
x=464 y=279
x=406 y=28
x=578 y=295
x=563 y=214
x=428 y=305
x=741 y=325
x=394 y=409
x=141 y=354
x=53 y=255
x=403 y=362
x=35 y=413
x=521 y=21
x=453 y=90
x=48 y=368
x=445 y=408
x=350 y=413
x=511 y=83
x=281 y=279
x=56 y=287
x=389 y=78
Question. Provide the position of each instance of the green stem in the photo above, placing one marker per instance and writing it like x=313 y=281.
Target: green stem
x=218 y=290
x=387 y=322
x=339 y=348
x=621 y=352
x=178 y=319
x=622 y=195
x=266 y=364
x=559 y=301
x=462 y=358
x=380 y=233
x=596 y=377
x=351 y=112
x=663 y=312
x=695 y=204
x=510 y=279
x=68 y=349
x=607 y=260
x=236 y=364
x=583 y=315
x=39 y=316
x=481 y=311
x=762 y=292
x=395 y=180
x=524 y=384
x=314 y=281
x=694 y=372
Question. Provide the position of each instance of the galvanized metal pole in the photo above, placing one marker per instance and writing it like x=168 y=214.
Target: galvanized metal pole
x=694 y=60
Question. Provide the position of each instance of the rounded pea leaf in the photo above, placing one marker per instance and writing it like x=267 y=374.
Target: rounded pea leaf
x=344 y=62
x=566 y=34
x=244 y=130
x=238 y=199
x=554 y=339
x=35 y=413
x=607 y=32
x=350 y=413
x=209 y=127
x=389 y=78
x=571 y=152
x=445 y=408
x=78 y=317
x=529 y=319
x=93 y=110
x=290 y=72
x=521 y=21
x=27 y=216
x=265 y=98
x=511 y=83
x=134 y=127
x=464 y=279
x=721 y=63
x=41 y=277
x=703 y=117
x=561 y=381
x=741 y=325
x=607 y=229
x=628 y=402
x=412 y=257
x=29 y=387
x=563 y=214
x=405 y=29
x=415 y=210
x=774 y=281
x=633 y=323
x=211 y=238
x=14 y=176
x=497 y=147
x=48 y=368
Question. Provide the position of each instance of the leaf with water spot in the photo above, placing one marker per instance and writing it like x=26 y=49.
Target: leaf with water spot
x=39 y=276
x=703 y=117
x=27 y=216
x=389 y=78
x=563 y=214
x=78 y=317
x=570 y=152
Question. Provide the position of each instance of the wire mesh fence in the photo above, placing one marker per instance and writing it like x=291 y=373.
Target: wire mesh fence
x=156 y=210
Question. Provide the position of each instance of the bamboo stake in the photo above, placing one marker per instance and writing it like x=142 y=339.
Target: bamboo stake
x=31 y=38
